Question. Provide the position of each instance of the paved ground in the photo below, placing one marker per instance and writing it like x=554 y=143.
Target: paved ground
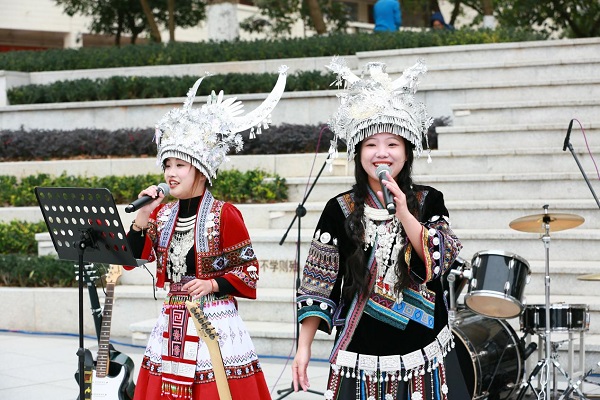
x=42 y=366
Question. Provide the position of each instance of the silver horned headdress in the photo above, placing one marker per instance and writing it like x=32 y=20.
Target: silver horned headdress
x=203 y=136
x=375 y=104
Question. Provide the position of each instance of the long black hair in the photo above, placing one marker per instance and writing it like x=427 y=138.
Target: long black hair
x=357 y=270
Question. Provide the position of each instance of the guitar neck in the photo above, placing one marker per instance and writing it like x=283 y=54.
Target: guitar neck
x=103 y=357
x=208 y=333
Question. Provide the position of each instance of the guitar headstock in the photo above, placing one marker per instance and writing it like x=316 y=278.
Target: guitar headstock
x=113 y=274
x=205 y=329
x=90 y=273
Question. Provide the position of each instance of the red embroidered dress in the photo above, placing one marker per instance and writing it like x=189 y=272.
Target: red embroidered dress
x=176 y=363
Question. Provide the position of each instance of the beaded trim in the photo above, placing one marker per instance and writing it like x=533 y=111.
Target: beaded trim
x=409 y=367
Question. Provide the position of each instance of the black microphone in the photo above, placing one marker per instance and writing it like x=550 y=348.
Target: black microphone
x=388 y=199
x=568 y=136
x=142 y=201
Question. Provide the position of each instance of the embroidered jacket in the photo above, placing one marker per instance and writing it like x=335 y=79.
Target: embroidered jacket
x=420 y=313
x=221 y=243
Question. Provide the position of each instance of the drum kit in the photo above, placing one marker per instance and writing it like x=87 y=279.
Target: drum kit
x=491 y=355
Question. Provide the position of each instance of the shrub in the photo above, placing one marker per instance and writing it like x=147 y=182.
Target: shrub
x=141 y=87
x=212 y=51
x=19 y=236
x=234 y=186
x=32 y=271
x=23 y=145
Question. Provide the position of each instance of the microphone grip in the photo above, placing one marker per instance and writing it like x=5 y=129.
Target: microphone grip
x=568 y=136
x=138 y=203
x=142 y=201
x=388 y=199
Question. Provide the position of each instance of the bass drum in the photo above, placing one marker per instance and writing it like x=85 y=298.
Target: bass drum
x=490 y=355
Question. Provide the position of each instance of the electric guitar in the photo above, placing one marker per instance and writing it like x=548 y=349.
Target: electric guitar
x=112 y=376
x=210 y=336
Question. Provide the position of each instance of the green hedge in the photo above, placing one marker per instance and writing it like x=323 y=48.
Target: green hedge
x=32 y=271
x=207 y=52
x=234 y=186
x=19 y=236
x=139 y=87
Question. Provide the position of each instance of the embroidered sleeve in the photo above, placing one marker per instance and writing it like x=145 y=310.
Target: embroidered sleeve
x=319 y=292
x=142 y=243
x=439 y=243
x=238 y=257
x=318 y=278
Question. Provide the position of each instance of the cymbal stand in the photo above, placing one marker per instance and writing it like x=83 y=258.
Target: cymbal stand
x=572 y=385
x=547 y=353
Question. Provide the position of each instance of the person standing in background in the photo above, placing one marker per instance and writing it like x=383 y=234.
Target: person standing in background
x=437 y=22
x=387 y=16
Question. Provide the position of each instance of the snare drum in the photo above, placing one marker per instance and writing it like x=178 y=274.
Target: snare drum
x=497 y=284
x=563 y=318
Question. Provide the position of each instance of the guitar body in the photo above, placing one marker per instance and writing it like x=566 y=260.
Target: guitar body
x=110 y=387
x=120 y=362
x=117 y=385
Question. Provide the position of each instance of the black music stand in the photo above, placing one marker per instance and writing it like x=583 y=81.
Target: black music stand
x=85 y=226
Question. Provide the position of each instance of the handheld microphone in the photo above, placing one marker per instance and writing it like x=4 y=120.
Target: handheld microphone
x=142 y=201
x=568 y=136
x=388 y=199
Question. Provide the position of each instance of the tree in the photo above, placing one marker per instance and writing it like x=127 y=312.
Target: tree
x=121 y=17
x=276 y=17
x=154 y=31
x=568 y=18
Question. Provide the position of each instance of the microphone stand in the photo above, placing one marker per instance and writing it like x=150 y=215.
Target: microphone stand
x=300 y=212
x=570 y=147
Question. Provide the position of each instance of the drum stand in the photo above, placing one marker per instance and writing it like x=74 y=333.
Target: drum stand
x=543 y=365
x=533 y=224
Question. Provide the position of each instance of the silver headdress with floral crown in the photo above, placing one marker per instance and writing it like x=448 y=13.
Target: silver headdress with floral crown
x=375 y=104
x=203 y=136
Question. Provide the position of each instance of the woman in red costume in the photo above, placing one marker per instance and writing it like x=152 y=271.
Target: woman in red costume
x=203 y=253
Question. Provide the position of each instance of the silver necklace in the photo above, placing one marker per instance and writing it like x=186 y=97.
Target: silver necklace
x=382 y=232
x=181 y=243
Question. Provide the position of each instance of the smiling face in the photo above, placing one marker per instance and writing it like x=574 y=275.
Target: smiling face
x=382 y=148
x=184 y=180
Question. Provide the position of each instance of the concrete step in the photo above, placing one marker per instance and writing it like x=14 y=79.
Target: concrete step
x=439 y=97
x=570 y=49
x=489 y=158
x=284 y=165
x=535 y=112
x=304 y=107
x=575 y=244
x=517 y=136
x=501 y=186
x=506 y=161
x=536 y=72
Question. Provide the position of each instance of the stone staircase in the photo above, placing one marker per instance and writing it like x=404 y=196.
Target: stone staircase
x=501 y=159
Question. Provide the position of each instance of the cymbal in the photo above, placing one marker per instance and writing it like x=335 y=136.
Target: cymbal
x=590 y=277
x=557 y=222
